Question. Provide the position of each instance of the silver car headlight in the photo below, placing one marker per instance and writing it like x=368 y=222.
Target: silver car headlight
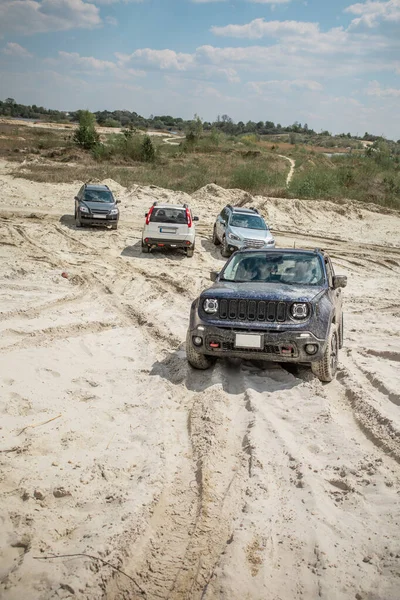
x=299 y=310
x=83 y=209
x=270 y=242
x=114 y=211
x=210 y=306
x=234 y=237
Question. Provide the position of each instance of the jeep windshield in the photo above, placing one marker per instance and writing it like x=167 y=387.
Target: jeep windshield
x=247 y=222
x=291 y=268
x=177 y=216
x=98 y=196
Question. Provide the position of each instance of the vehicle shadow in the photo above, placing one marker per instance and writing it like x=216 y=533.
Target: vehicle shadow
x=214 y=251
x=135 y=251
x=235 y=375
x=69 y=222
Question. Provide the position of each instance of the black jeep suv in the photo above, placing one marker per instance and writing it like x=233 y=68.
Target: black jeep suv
x=281 y=305
x=96 y=205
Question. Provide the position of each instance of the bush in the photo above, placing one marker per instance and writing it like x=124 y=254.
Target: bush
x=86 y=135
x=147 y=151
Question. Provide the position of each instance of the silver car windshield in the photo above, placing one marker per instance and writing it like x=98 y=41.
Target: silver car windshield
x=247 y=221
x=275 y=267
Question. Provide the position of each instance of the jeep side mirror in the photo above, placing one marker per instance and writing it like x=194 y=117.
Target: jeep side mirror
x=146 y=214
x=195 y=218
x=117 y=201
x=214 y=275
x=76 y=198
x=339 y=281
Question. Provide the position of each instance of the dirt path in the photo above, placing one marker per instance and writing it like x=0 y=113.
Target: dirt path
x=292 y=167
x=249 y=481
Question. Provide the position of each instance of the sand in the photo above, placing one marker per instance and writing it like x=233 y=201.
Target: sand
x=250 y=481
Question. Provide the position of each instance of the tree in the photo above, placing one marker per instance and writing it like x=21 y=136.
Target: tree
x=147 y=151
x=194 y=129
x=86 y=135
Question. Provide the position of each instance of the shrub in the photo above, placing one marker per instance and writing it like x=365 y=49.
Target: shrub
x=86 y=135
x=147 y=151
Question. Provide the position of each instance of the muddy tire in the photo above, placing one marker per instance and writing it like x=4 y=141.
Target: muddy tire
x=325 y=369
x=341 y=333
x=225 y=252
x=190 y=252
x=78 y=222
x=114 y=226
x=215 y=239
x=145 y=249
x=195 y=359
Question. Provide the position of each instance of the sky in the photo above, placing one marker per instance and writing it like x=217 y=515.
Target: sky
x=332 y=64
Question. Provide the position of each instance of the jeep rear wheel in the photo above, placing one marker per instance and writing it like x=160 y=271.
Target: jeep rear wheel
x=190 y=252
x=145 y=249
x=225 y=252
x=215 y=239
x=325 y=369
x=195 y=359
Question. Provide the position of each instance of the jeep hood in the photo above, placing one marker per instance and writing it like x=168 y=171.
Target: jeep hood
x=264 y=291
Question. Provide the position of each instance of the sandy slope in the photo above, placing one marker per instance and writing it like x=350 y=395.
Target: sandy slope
x=251 y=481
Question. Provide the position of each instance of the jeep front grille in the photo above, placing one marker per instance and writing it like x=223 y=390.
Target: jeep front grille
x=253 y=310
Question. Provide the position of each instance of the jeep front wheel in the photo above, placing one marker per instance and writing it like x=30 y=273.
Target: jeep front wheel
x=195 y=359
x=325 y=369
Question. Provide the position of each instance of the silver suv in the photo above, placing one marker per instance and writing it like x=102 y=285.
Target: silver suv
x=237 y=228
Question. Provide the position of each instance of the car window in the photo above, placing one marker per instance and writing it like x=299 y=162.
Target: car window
x=98 y=196
x=247 y=221
x=286 y=267
x=169 y=215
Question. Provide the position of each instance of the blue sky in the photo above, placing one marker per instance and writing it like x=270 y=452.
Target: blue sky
x=334 y=64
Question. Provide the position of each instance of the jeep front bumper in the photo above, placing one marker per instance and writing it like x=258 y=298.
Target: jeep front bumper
x=282 y=346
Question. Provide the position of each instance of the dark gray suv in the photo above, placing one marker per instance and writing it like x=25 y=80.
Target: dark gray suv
x=277 y=305
x=96 y=205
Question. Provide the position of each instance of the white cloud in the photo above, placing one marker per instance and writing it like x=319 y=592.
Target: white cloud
x=375 y=89
x=273 y=2
x=86 y=62
x=13 y=49
x=260 y=28
x=206 y=1
x=372 y=13
x=157 y=59
x=35 y=16
x=285 y=85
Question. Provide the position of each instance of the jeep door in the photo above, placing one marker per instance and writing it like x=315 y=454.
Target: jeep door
x=335 y=296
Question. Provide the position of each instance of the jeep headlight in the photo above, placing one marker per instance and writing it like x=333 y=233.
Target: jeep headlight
x=83 y=209
x=234 y=237
x=299 y=310
x=210 y=306
x=114 y=211
x=270 y=242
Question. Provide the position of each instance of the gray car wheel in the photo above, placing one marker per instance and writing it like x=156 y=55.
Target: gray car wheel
x=215 y=239
x=325 y=369
x=225 y=252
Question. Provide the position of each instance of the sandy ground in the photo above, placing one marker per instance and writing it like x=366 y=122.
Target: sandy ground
x=250 y=481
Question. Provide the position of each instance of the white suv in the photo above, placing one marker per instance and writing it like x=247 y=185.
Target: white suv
x=169 y=226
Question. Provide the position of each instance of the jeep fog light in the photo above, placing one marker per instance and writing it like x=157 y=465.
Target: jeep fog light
x=311 y=349
x=210 y=306
x=299 y=310
x=197 y=340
